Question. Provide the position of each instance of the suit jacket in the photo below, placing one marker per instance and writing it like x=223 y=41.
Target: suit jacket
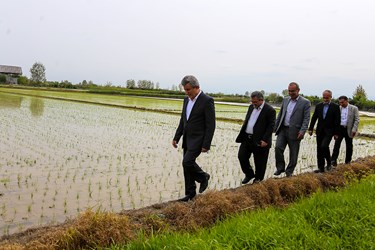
x=331 y=124
x=352 y=120
x=299 y=120
x=263 y=127
x=198 y=131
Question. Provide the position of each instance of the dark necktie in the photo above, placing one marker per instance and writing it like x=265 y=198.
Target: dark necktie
x=325 y=109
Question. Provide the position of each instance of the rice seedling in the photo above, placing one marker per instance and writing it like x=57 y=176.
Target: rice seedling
x=73 y=146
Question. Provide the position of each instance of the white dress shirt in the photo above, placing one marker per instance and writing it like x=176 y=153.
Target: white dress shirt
x=190 y=105
x=344 y=116
x=253 y=119
x=289 y=110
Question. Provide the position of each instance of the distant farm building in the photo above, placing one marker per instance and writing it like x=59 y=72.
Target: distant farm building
x=11 y=73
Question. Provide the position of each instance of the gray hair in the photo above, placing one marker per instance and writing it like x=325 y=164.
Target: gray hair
x=295 y=84
x=190 y=79
x=328 y=91
x=257 y=94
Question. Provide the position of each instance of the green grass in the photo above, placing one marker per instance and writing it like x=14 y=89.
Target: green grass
x=332 y=220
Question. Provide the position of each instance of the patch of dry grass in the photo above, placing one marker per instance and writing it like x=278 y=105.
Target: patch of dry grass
x=101 y=229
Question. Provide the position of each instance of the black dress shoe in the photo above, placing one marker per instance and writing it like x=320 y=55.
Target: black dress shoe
x=288 y=175
x=186 y=198
x=328 y=167
x=279 y=172
x=256 y=181
x=245 y=180
x=334 y=163
x=204 y=184
x=318 y=171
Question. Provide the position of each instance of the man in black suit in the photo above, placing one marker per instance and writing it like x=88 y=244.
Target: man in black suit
x=197 y=126
x=256 y=137
x=328 y=115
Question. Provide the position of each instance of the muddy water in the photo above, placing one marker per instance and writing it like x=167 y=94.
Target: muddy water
x=59 y=158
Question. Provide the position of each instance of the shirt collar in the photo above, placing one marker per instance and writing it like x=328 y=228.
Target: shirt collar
x=195 y=98
x=295 y=100
x=260 y=107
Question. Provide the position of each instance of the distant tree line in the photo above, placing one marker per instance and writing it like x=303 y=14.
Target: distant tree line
x=149 y=88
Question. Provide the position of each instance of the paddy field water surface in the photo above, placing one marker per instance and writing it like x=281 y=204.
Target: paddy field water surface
x=59 y=158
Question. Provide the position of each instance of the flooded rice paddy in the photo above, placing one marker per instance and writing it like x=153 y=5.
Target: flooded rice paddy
x=59 y=158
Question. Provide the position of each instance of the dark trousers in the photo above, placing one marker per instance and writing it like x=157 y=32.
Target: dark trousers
x=247 y=148
x=349 y=146
x=323 y=153
x=281 y=142
x=192 y=171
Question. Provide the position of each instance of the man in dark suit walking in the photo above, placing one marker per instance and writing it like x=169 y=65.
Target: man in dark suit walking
x=256 y=137
x=327 y=114
x=197 y=126
x=291 y=125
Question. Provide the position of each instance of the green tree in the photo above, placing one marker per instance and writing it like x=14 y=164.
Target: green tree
x=359 y=93
x=3 y=78
x=273 y=97
x=130 y=84
x=285 y=92
x=360 y=98
x=145 y=84
x=22 y=80
x=38 y=73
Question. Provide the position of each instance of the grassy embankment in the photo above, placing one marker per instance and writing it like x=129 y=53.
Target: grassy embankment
x=251 y=216
x=332 y=220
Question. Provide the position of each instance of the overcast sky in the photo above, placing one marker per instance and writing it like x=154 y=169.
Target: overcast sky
x=231 y=46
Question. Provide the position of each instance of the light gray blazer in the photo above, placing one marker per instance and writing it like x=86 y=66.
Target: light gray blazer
x=352 y=119
x=299 y=120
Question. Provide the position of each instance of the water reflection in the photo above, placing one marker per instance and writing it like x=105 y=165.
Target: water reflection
x=10 y=101
x=36 y=106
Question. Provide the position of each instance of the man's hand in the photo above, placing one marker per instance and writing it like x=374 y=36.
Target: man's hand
x=204 y=150
x=300 y=135
x=354 y=133
x=174 y=144
x=263 y=144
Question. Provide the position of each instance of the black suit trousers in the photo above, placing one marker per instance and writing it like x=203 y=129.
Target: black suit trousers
x=322 y=152
x=192 y=172
x=349 y=146
x=247 y=148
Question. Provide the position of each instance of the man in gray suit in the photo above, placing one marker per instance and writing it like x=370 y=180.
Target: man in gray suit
x=348 y=129
x=291 y=125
